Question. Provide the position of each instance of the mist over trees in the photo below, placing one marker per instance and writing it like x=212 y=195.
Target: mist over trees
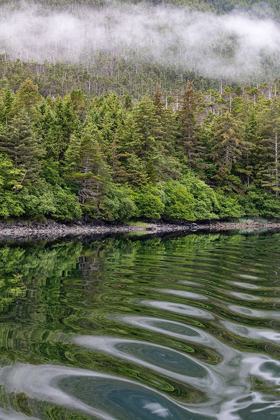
x=166 y=121
x=239 y=45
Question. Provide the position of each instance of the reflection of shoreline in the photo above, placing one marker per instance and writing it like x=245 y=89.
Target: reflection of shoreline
x=53 y=229
x=58 y=230
x=248 y=226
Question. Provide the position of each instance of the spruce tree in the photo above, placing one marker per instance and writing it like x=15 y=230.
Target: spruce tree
x=188 y=124
x=19 y=142
x=227 y=148
x=270 y=120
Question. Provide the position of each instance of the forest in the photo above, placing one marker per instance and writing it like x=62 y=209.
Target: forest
x=113 y=138
x=206 y=155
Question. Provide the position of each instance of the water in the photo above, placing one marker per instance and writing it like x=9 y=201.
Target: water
x=128 y=328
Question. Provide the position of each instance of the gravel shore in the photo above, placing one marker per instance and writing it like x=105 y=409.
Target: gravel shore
x=249 y=225
x=51 y=229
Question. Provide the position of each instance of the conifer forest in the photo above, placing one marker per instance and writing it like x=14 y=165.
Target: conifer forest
x=116 y=138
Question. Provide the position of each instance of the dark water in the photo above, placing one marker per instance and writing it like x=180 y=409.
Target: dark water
x=166 y=328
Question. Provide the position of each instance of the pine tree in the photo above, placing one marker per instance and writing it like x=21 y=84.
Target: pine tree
x=157 y=101
x=227 y=148
x=119 y=173
x=147 y=129
x=188 y=124
x=90 y=171
x=19 y=142
x=72 y=155
x=79 y=103
x=27 y=96
x=270 y=144
x=251 y=159
x=67 y=123
x=8 y=106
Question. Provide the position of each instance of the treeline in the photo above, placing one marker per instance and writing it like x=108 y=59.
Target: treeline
x=117 y=74
x=208 y=156
x=105 y=72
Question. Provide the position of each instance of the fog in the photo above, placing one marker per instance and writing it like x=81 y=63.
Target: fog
x=237 y=45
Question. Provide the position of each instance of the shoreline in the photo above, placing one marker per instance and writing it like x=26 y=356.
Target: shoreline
x=60 y=230
x=52 y=229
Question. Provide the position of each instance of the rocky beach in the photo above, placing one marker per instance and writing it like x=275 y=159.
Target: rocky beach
x=51 y=229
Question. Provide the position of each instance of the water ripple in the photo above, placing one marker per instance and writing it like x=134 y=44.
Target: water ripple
x=178 y=308
x=105 y=396
x=177 y=328
x=165 y=361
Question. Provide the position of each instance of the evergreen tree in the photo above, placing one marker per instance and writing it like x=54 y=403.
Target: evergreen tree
x=27 y=96
x=227 y=148
x=7 y=109
x=188 y=124
x=251 y=159
x=19 y=142
x=86 y=165
x=67 y=123
x=271 y=146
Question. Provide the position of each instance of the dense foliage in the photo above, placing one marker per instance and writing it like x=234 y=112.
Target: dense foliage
x=125 y=77
x=207 y=155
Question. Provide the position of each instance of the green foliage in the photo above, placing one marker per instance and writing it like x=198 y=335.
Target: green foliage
x=10 y=205
x=229 y=206
x=47 y=200
x=11 y=289
x=27 y=96
x=149 y=203
x=10 y=177
x=206 y=202
x=113 y=159
x=118 y=204
x=66 y=205
x=36 y=202
x=259 y=202
x=179 y=202
x=10 y=183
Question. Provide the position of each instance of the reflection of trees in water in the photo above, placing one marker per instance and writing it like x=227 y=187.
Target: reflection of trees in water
x=53 y=291
x=70 y=287
x=51 y=280
x=20 y=403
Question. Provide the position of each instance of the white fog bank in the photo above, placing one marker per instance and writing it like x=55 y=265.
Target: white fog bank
x=233 y=46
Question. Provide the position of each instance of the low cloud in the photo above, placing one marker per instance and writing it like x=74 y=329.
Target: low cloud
x=237 y=46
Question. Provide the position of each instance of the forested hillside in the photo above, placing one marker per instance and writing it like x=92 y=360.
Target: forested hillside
x=106 y=73
x=115 y=135
x=133 y=48
x=209 y=156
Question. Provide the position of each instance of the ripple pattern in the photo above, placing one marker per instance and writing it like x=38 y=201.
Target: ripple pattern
x=184 y=327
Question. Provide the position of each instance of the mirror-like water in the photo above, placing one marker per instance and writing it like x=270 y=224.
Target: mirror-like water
x=182 y=328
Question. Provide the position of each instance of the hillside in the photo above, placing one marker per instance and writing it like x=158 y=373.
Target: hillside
x=131 y=47
x=139 y=127
x=212 y=156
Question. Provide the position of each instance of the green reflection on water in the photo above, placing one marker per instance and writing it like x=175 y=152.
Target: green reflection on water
x=198 y=289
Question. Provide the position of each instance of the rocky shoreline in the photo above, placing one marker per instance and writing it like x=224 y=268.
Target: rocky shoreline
x=55 y=230
x=246 y=225
x=51 y=229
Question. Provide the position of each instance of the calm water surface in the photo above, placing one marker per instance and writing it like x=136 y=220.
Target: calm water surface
x=179 y=328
